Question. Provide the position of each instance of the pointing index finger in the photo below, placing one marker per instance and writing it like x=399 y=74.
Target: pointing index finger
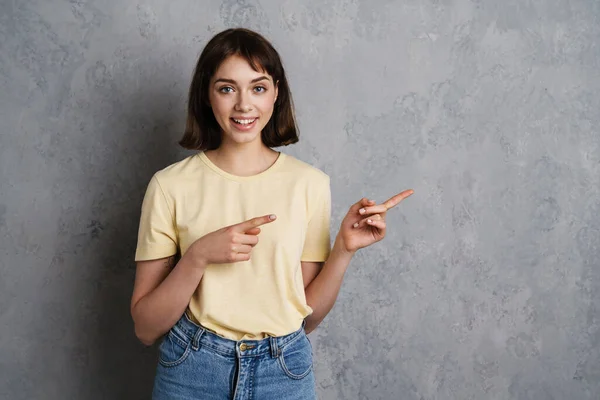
x=395 y=200
x=256 y=222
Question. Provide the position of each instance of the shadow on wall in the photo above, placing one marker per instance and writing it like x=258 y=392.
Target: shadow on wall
x=141 y=139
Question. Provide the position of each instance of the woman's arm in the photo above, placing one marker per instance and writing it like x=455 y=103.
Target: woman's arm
x=161 y=293
x=322 y=290
x=363 y=225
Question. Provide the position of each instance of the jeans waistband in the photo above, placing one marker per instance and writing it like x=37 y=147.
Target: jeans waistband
x=201 y=337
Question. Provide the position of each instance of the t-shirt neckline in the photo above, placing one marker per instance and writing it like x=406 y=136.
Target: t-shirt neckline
x=238 y=178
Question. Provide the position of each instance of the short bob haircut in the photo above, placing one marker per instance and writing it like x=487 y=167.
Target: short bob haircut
x=202 y=131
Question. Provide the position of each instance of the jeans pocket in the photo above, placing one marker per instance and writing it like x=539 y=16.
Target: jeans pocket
x=174 y=348
x=296 y=358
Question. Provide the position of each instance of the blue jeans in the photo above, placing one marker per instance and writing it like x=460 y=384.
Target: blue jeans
x=197 y=364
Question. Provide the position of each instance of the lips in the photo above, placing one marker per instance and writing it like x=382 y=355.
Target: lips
x=243 y=124
x=243 y=121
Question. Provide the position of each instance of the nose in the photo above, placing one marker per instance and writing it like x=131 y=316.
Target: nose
x=243 y=103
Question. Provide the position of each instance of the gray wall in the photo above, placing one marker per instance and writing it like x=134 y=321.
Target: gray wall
x=487 y=286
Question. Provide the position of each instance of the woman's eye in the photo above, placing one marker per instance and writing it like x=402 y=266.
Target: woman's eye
x=260 y=89
x=226 y=89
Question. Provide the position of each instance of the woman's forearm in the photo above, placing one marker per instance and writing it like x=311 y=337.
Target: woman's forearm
x=323 y=291
x=155 y=313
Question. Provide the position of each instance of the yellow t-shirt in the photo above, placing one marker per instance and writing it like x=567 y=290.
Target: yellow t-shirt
x=265 y=295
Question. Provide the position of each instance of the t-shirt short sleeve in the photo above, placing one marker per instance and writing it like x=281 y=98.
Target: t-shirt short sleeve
x=157 y=234
x=317 y=244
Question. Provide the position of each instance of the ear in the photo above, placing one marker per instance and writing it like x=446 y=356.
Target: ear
x=276 y=90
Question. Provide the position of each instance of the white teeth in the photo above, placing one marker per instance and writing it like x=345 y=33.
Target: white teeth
x=244 y=121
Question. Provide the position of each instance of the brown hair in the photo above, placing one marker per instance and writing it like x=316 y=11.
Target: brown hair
x=202 y=131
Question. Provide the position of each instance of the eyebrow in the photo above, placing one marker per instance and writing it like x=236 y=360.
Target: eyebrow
x=260 y=78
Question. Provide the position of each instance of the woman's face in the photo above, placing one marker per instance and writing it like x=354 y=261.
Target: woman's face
x=242 y=100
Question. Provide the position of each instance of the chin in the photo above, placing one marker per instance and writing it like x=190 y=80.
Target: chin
x=244 y=137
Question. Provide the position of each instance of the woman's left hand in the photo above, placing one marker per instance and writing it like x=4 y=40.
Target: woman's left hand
x=365 y=222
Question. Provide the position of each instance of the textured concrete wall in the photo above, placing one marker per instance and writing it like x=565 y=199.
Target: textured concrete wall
x=488 y=284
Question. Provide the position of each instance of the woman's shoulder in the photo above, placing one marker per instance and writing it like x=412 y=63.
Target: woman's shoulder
x=304 y=169
x=178 y=171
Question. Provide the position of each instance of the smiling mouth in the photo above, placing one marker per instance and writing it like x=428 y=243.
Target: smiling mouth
x=244 y=121
x=243 y=124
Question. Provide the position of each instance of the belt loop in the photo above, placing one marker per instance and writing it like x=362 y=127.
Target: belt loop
x=274 y=348
x=196 y=338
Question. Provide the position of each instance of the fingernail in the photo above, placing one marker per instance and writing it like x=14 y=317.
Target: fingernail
x=355 y=225
x=369 y=221
x=361 y=211
x=272 y=217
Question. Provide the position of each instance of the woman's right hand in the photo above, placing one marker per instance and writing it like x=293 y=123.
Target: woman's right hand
x=229 y=244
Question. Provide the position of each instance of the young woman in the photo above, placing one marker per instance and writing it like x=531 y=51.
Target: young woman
x=256 y=270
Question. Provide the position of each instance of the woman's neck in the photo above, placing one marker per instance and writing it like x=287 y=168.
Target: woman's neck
x=246 y=160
